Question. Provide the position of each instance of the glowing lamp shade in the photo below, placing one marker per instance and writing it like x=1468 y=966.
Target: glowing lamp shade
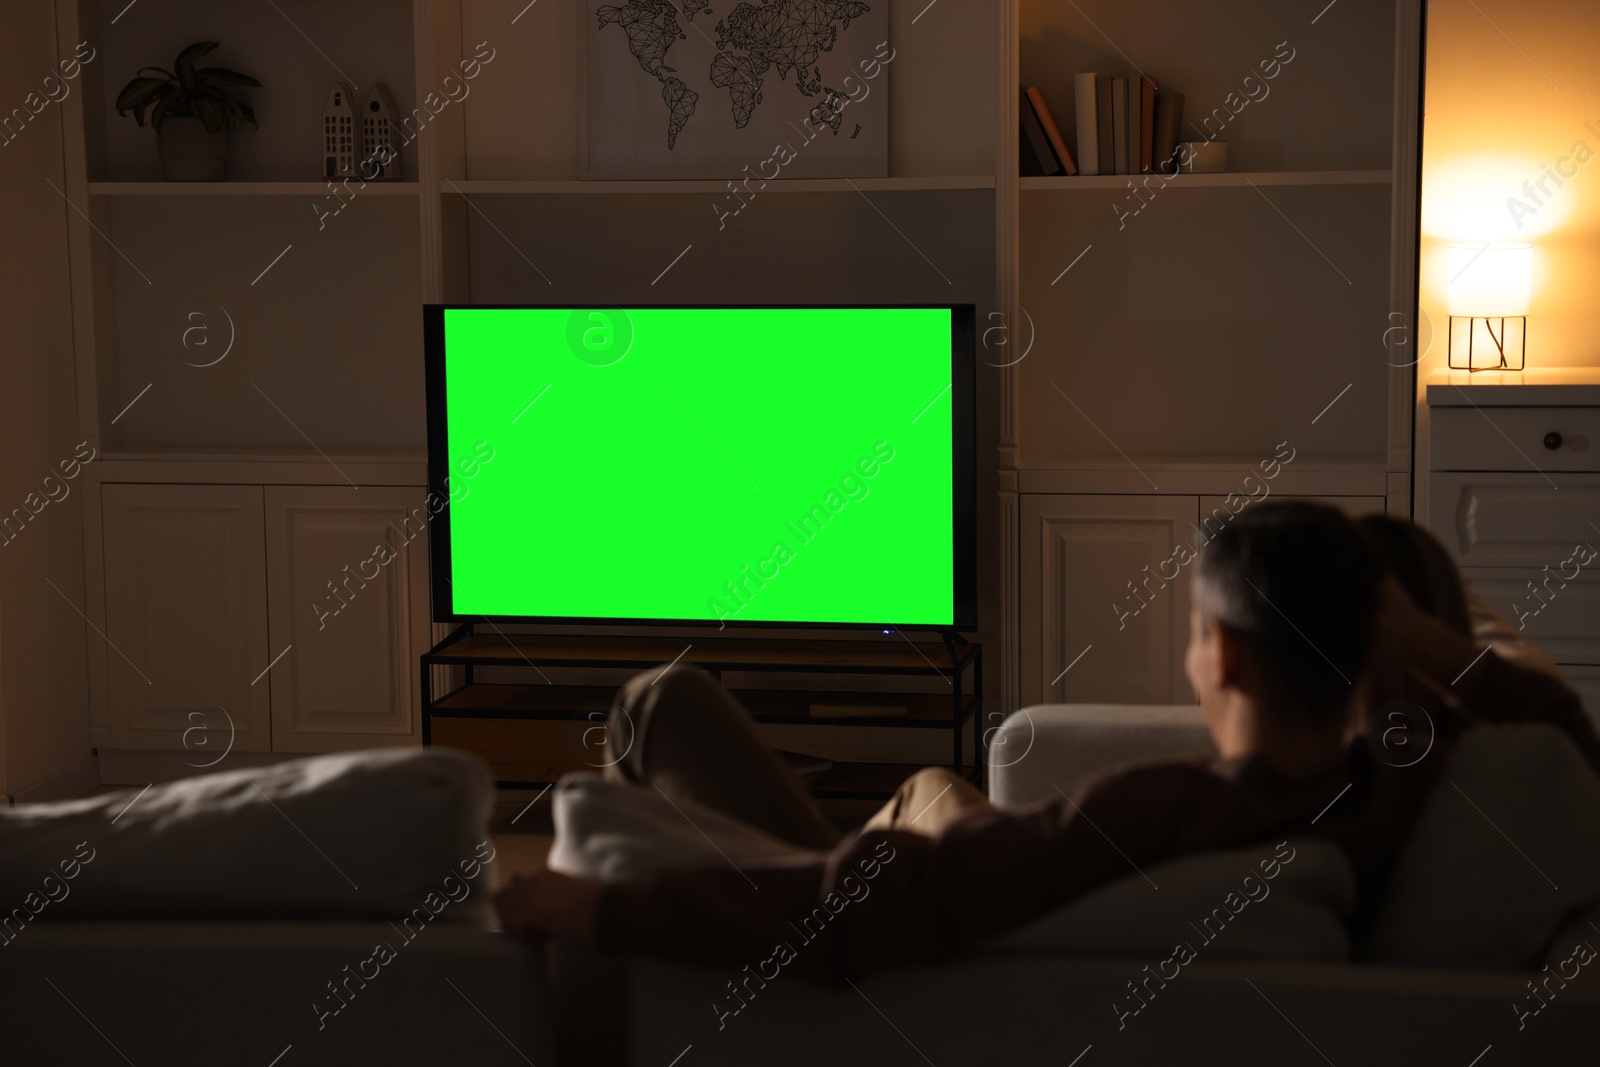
x=1489 y=288
x=1490 y=281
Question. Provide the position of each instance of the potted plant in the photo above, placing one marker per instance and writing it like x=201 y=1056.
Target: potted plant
x=191 y=111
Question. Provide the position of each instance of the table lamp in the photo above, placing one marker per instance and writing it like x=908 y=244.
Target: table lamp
x=1489 y=287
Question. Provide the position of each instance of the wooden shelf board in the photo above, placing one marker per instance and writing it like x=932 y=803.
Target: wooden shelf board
x=890 y=657
x=504 y=700
x=532 y=753
x=714 y=185
x=1205 y=181
x=317 y=188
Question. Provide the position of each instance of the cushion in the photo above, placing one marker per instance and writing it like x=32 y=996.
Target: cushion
x=1506 y=849
x=618 y=832
x=1284 y=901
x=354 y=835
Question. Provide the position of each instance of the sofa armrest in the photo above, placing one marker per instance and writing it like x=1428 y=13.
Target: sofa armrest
x=1049 y=746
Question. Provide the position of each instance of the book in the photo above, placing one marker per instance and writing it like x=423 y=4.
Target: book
x=1119 y=124
x=1147 y=124
x=1033 y=135
x=1168 y=119
x=1133 y=126
x=1052 y=130
x=858 y=711
x=1103 y=122
x=1083 y=92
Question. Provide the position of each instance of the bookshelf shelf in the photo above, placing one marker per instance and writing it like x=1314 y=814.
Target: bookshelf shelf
x=1208 y=181
x=244 y=189
x=714 y=185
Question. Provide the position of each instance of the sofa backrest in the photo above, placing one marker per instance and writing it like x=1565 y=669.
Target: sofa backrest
x=1288 y=900
x=1047 y=747
x=1506 y=852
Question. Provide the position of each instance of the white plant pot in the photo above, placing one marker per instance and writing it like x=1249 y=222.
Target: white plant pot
x=189 y=153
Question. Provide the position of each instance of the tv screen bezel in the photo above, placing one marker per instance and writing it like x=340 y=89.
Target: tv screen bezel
x=963 y=371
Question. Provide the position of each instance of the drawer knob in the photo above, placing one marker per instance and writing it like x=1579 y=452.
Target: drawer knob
x=1552 y=440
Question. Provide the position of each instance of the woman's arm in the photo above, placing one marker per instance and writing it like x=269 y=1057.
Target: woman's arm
x=1485 y=686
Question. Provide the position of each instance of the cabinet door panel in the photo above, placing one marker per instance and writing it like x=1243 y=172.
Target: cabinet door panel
x=1085 y=585
x=185 y=581
x=352 y=616
x=1514 y=520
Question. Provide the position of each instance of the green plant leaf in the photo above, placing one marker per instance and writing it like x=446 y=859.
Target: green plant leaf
x=224 y=76
x=184 y=64
x=213 y=113
x=187 y=92
x=139 y=93
x=163 y=109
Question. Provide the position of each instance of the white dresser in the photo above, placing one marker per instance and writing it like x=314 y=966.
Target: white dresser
x=1514 y=491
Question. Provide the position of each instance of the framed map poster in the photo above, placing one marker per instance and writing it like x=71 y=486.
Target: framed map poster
x=718 y=89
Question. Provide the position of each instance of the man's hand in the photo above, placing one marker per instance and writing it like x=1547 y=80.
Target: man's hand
x=549 y=907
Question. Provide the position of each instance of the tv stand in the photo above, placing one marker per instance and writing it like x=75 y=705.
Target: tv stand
x=533 y=733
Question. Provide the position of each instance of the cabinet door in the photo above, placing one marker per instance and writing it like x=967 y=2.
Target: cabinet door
x=347 y=578
x=186 y=614
x=1099 y=574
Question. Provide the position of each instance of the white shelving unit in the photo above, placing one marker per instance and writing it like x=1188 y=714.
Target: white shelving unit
x=314 y=291
x=1149 y=361
x=1178 y=328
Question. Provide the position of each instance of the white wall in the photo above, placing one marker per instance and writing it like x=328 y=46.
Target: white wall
x=44 y=723
x=1504 y=98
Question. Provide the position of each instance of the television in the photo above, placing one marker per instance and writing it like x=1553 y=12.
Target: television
x=794 y=465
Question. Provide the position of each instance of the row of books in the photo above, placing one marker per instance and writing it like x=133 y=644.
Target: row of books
x=1124 y=126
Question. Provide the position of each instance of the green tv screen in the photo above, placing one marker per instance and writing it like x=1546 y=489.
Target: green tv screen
x=729 y=465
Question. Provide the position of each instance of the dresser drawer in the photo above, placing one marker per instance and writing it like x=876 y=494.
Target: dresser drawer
x=1514 y=520
x=1563 y=617
x=1513 y=439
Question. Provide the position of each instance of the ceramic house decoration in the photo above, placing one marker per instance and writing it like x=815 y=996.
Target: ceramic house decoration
x=380 y=140
x=340 y=140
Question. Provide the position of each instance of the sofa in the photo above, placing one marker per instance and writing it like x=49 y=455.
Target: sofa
x=1281 y=985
